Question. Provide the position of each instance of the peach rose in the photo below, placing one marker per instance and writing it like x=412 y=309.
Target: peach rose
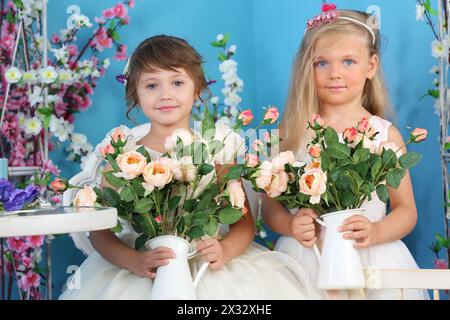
x=280 y=160
x=419 y=134
x=157 y=174
x=131 y=164
x=246 y=116
x=278 y=185
x=264 y=175
x=85 y=197
x=237 y=195
x=313 y=166
x=313 y=183
x=59 y=185
x=315 y=151
x=272 y=114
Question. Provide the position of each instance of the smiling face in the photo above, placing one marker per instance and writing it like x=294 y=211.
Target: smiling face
x=341 y=67
x=166 y=96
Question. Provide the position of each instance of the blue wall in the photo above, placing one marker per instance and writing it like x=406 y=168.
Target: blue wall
x=267 y=34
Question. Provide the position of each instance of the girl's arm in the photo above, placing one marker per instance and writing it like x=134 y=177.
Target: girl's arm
x=276 y=217
x=403 y=217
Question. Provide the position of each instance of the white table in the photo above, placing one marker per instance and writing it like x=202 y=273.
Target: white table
x=55 y=220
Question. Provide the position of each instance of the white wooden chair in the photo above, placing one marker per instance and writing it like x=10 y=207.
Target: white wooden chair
x=92 y=175
x=401 y=279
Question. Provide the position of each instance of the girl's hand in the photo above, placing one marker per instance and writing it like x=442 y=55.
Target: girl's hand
x=144 y=264
x=303 y=228
x=361 y=230
x=212 y=252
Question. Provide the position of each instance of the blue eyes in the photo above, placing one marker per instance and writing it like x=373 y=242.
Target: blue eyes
x=323 y=63
x=152 y=86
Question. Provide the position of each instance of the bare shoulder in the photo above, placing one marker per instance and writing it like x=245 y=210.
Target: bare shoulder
x=395 y=136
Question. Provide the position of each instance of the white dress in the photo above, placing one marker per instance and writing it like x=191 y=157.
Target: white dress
x=393 y=255
x=256 y=274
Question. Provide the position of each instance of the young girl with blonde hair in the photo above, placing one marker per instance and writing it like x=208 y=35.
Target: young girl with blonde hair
x=337 y=76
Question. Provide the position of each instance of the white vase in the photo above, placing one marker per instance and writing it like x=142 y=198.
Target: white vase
x=340 y=264
x=174 y=280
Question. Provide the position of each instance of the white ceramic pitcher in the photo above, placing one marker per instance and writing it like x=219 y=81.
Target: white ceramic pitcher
x=174 y=280
x=339 y=264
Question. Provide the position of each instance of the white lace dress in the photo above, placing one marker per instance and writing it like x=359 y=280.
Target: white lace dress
x=393 y=255
x=256 y=274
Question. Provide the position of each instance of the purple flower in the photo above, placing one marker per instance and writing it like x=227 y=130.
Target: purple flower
x=32 y=193
x=6 y=188
x=121 y=78
x=16 y=201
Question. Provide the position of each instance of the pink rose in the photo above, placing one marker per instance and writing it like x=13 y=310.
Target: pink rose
x=246 y=116
x=363 y=125
x=158 y=219
x=252 y=160
x=264 y=175
x=131 y=163
x=316 y=119
x=106 y=149
x=315 y=150
x=278 y=185
x=118 y=134
x=85 y=197
x=156 y=174
x=440 y=264
x=237 y=195
x=280 y=160
x=257 y=144
x=314 y=184
x=271 y=114
x=350 y=134
x=419 y=134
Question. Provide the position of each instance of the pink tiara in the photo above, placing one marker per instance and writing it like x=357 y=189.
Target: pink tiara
x=323 y=18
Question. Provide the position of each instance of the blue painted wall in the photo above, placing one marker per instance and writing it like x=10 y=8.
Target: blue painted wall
x=267 y=34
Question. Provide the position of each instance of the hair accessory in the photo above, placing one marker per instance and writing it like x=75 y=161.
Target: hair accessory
x=330 y=14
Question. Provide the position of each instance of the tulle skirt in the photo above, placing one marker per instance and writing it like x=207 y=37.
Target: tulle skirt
x=393 y=255
x=256 y=274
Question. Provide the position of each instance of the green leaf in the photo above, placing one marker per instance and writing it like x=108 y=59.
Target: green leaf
x=137 y=187
x=111 y=197
x=211 y=227
x=174 y=202
x=139 y=243
x=375 y=170
x=115 y=36
x=18 y=3
x=205 y=168
x=201 y=218
x=208 y=126
x=222 y=57
x=389 y=159
x=325 y=160
x=229 y=215
x=339 y=151
x=235 y=172
x=126 y=194
x=382 y=193
x=113 y=162
x=113 y=180
x=144 y=205
x=394 y=177
x=196 y=233
x=199 y=152
x=361 y=155
x=206 y=201
x=331 y=137
x=347 y=198
x=142 y=150
x=189 y=204
x=409 y=160
x=117 y=228
x=447 y=146
x=148 y=223
x=216 y=146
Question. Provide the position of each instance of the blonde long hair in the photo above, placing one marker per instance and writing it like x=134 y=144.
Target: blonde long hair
x=302 y=100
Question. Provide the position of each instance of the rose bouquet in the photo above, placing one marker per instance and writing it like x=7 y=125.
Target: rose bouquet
x=343 y=172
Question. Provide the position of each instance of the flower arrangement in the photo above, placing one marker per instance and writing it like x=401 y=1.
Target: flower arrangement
x=343 y=171
x=439 y=50
x=23 y=254
x=38 y=97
